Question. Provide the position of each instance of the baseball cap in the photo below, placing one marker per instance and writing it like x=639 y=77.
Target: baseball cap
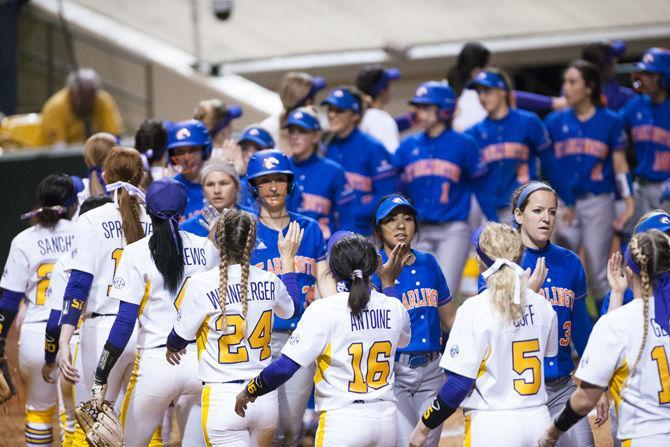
x=304 y=118
x=372 y=79
x=166 y=198
x=258 y=135
x=338 y=235
x=342 y=98
x=488 y=79
x=390 y=203
x=658 y=221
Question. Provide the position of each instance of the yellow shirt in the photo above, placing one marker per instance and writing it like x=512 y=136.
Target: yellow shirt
x=60 y=124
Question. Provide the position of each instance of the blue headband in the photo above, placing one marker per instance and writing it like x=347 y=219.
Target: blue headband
x=630 y=262
x=488 y=262
x=527 y=191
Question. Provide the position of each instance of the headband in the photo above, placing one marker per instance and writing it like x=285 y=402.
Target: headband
x=518 y=274
x=475 y=241
x=133 y=190
x=527 y=191
x=630 y=262
x=98 y=173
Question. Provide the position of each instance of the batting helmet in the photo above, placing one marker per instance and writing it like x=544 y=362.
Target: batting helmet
x=437 y=94
x=259 y=136
x=189 y=133
x=267 y=162
x=657 y=60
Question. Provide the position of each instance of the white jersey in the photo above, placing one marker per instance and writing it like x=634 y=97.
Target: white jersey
x=469 y=111
x=98 y=245
x=506 y=360
x=642 y=400
x=354 y=354
x=138 y=281
x=31 y=259
x=58 y=283
x=381 y=125
x=241 y=349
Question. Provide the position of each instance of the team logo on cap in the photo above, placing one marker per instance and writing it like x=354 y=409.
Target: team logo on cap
x=253 y=132
x=338 y=93
x=481 y=76
x=297 y=115
x=648 y=58
x=665 y=220
x=183 y=133
x=270 y=163
x=398 y=200
x=421 y=91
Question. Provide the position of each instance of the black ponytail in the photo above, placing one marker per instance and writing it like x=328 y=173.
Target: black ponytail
x=53 y=191
x=168 y=257
x=353 y=260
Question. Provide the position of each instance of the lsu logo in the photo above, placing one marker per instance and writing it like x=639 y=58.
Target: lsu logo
x=270 y=163
x=421 y=91
x=182 y=134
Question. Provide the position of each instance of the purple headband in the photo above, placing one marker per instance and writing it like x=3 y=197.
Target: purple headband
x=98 y=173
x=630 y=262
x=488 y=262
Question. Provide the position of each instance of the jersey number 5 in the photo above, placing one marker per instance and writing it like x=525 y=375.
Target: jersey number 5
x=522 y=362
x=231 y=349
x=660 y=357
x=377 y=370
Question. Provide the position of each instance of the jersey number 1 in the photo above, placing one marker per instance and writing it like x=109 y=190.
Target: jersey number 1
x=659 y=356
x=522 y=362
x=377 y=370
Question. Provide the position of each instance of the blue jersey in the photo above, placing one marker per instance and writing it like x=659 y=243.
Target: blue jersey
x=312 y=250
x=583 y=152
x=436 y=174
x=194 y=226
x=509 y=148
x=565 y=289
x=649 y=126
x=196 y=199
x=627 y=298
x=423 y=289
x=321 y=192
x=370 y=173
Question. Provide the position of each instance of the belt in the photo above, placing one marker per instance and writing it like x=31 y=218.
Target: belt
x=416 y=359
x=644 y=181
x=96 y=315
x=231 y=381
x=361 y=401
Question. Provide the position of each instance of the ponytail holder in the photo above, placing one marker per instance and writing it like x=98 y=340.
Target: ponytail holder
x=149 y=153
x=518 y=274
x=357 y=274
x=98 y=173
x=133 y=190
x=30 y=214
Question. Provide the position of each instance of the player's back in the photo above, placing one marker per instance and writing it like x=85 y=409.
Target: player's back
x=356 y=351
x=641 y=398
x=506 y=359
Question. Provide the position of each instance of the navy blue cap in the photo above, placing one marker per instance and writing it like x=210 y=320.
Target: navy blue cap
x=258 y=135
x=166 y=198
x=304 y=119
x=488 y=79
x=338 y=235
x=389 y=204
x=659 y=221
x=342 y=98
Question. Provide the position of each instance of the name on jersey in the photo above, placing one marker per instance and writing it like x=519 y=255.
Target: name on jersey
x=658 y=330
x=527 y=318
x=432 y=167
x=113 y=229
x=301 y=264
x=55 y=244
x=315 y=203
x=423 y=297
x=661 y=161
x=359 y=182
x=258 y=291
x=581 y=146
x=558 y=296
x=503 y=151
x=194 y=256
x=371 y=319
x=652 y=134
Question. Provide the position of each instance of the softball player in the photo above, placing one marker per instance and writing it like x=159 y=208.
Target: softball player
x=189 y=145
x=588 y=147
x=510 y=142
x=100 y=237
x=254 y=139
x=424 y=293
x=497 y=344
x=352 y=336
x=647 y=116
x=628 y=356
x=321 y=188
x=149 y=283
x=365 y=160
x=437 y=166
x=229 y=309
x=271 y=180
x=375 y=81
x=27 y=272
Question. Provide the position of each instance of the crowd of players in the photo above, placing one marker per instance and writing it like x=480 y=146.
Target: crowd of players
x=118 y=267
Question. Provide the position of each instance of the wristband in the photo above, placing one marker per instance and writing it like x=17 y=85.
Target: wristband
x=437 y=413
x=50 y=349
x=256 y=387
x=624 y=183
x=110 y=354
x=567 y=418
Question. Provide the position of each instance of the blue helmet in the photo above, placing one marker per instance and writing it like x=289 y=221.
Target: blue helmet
x=266 y=162
x=189 y=133
x=657 y=60
x=258 y=135
x=436 y=94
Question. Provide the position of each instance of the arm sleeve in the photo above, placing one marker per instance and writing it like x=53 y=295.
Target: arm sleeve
x=310 y=336
x=466 y=347
x=288 y=302
x=278 y=372
x=455 y=389
x=532 y=101
x=52 y=334
x=9 y=307
x=581 y=326
x=124 y=324
x=603 y=354
x=76 y=294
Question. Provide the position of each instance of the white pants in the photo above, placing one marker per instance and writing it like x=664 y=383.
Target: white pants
x=513 y=428
x=153 y=385
x=450 y=244
x=358 y=425
x=223 y=427
x=293 y=397
x=648 y=441
x=93 y=336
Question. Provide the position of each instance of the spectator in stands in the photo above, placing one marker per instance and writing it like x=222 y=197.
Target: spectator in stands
x=375 y=81
x=217 y=117
x=79 y=110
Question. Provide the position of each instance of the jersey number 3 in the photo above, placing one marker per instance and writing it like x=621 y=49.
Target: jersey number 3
x=522 y=362
x=378 y=370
